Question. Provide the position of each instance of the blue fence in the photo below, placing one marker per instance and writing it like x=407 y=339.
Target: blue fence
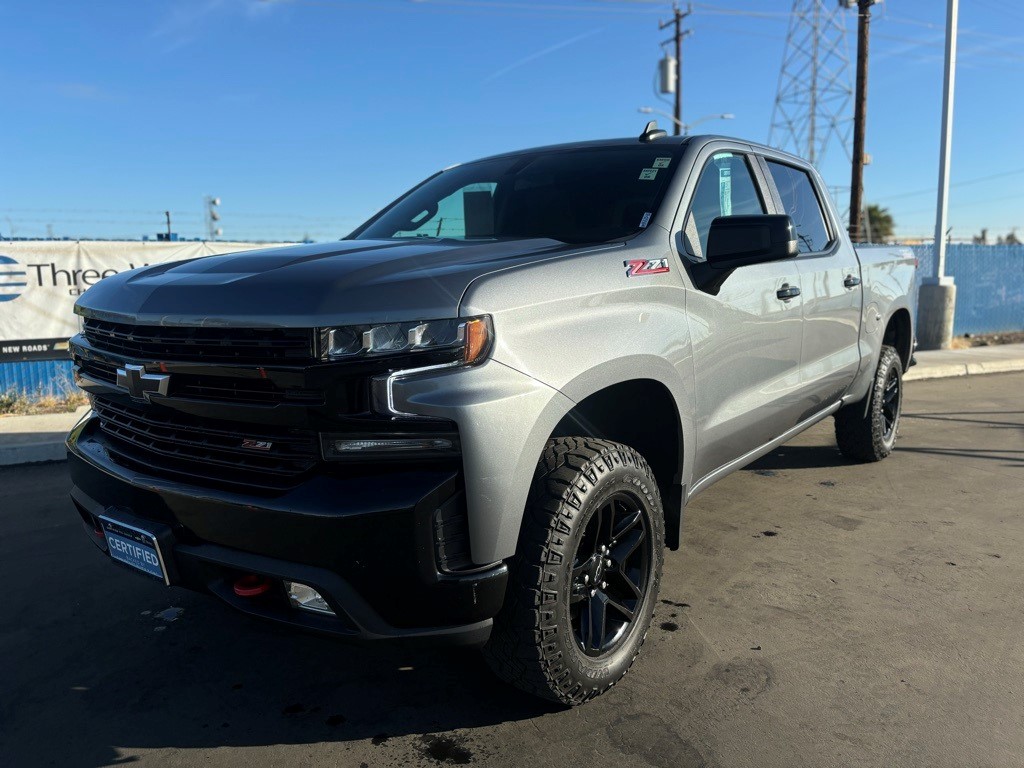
x=989 y=285
x=48 y=377
x=989 y=298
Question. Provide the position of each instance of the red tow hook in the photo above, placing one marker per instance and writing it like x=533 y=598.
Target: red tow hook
x=252 y=585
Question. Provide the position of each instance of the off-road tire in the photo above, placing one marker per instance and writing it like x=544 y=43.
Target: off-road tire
x=862 y=430
x=533 y=644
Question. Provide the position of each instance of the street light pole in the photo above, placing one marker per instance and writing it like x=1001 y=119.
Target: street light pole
x=680 y=126
x=938 y=292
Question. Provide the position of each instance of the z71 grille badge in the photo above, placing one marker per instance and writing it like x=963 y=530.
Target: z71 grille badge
x=257 y=445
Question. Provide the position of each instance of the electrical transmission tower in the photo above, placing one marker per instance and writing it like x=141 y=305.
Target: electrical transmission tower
x=813 y=103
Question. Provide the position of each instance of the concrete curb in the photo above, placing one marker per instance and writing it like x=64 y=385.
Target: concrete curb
x=921 y=373
x=36 y=439
x=32 y=453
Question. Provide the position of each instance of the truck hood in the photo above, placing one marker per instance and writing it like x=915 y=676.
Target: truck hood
x=350 y=281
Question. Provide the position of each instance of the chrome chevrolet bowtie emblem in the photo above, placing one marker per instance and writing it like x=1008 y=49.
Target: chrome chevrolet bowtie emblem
x=142 y=385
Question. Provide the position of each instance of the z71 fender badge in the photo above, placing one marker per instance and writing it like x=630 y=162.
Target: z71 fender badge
x=637 y=267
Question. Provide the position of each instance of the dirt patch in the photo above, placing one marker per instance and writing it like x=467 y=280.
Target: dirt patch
x=969 y=340
x=17 y=404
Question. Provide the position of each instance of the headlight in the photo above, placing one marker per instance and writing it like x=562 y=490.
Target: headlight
x=471 y=336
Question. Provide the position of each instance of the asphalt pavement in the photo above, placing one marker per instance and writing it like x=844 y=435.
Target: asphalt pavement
x=820 y=613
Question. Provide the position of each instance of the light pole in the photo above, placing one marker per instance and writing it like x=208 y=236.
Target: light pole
x=937 y=297
x=684 y=127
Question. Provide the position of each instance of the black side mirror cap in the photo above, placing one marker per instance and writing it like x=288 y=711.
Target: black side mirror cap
x=742 y=241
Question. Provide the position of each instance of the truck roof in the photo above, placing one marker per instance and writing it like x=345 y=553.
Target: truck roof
x=665 y=141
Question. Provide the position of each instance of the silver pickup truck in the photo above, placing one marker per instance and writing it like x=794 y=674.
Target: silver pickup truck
x=479 y=417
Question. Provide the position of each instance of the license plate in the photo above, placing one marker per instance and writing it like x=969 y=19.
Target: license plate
x=134 y=547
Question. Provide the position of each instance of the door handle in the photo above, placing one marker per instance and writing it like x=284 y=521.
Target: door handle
x=787 y=291
x=851 y=281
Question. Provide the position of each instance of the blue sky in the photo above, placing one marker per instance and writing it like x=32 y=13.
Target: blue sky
x=306 y=116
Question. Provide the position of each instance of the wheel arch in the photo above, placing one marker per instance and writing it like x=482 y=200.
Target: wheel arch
x=899 y=334
x=643 y=414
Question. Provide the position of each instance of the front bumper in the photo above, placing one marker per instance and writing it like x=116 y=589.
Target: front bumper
x=367 y=542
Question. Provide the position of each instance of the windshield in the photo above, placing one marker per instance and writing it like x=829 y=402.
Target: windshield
x=576 y=196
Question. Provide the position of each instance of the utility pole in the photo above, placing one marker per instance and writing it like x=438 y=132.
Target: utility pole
x=680 y=33
x=937 y=297
x=860 y=114
x=168 y=215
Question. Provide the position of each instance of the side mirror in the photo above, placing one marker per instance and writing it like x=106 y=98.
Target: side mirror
x=742 y=241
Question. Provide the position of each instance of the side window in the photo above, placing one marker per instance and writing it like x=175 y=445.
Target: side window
x=725 y=188
x=466 y=213
x=801 y=203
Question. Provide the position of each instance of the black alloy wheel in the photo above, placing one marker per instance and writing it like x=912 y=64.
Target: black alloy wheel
x=609 y=574
x=892 y=397
x=867 y=430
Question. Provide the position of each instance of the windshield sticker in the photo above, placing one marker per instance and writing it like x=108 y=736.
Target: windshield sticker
x=662 y=162
x=648 y=174
x=645 y=220
x=637 y=267
x=725 y=189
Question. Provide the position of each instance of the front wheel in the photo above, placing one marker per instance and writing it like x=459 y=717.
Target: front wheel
x=866 y=431
x=585 y=578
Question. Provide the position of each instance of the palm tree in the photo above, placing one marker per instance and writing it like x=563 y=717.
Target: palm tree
x=880 y=224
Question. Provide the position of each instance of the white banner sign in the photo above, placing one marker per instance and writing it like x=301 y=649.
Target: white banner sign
x=40 y=280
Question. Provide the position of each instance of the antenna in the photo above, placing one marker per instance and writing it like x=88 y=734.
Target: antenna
x=652 y=132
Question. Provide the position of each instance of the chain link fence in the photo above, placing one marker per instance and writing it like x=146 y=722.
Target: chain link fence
x=989 y=285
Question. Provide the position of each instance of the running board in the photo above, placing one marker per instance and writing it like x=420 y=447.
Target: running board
x=757 y=453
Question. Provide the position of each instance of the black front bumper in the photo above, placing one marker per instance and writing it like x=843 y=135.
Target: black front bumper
x=367 y=542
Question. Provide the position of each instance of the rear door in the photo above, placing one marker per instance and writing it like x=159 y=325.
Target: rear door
x=746 y=339
x=829 y=285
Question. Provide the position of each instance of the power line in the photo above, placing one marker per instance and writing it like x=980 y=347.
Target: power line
x=455 y=6
x=964 y=183
x=277 y=216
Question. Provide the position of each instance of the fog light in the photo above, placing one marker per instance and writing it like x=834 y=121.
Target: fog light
x=305 y=598
x=404 y=445
x=371 y=446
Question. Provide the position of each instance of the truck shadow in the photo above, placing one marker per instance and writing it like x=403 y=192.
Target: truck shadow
x=962 y=417
x=799 y=457
x=214 y=678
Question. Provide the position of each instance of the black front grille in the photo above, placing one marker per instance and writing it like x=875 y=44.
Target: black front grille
x=100 y=370
x=224 y=345
x=248 y=391
x=227 y=389
x=160 y=442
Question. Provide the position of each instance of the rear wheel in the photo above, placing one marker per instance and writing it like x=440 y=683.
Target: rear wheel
x=585 y=578
x=867 y=430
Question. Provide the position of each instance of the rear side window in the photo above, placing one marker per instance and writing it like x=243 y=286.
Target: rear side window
x=725 y=188
x=801 y=203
